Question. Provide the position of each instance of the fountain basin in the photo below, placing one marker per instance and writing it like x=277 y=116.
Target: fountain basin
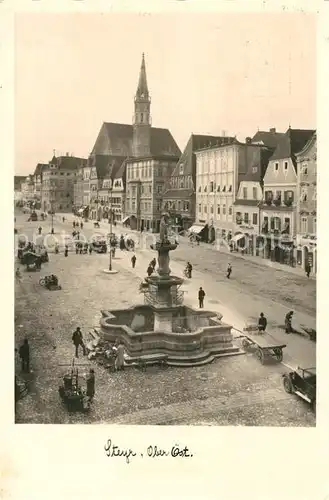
x=197 y=337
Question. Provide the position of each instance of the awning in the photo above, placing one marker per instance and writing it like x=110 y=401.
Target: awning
x=238 y=237
x=126 y=219
x=196 y=229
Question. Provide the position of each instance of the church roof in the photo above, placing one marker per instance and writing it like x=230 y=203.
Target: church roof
x=120 y=139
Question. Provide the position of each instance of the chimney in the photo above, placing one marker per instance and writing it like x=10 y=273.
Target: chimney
x=248 y=140
x=273 y=130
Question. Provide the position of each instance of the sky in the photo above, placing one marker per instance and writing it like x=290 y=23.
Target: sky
x=207 y=73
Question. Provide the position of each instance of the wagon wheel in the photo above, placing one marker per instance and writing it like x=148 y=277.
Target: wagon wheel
x=245 y=344
x=260 y=355
x=287 y=384
x=42 y=281
x=278 y=354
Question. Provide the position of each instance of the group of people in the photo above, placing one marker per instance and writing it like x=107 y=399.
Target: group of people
x=151 y=267
x=262 y=322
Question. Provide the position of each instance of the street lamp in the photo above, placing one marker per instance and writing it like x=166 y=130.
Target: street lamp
x=110 y=270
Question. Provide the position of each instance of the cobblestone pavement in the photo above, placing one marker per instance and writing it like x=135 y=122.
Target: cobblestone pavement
x=230 y=391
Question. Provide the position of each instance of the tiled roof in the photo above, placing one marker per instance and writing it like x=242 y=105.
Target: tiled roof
x=291 y=143
x=120 y=138
x=257 y=158
x=269 y=139
x=39 y=168
x=67 y=162
x=178 y=193
x=121 y=172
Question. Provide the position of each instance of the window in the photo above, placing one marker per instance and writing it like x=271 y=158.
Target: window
x=246 y=218
x=245 y=193
x=200 y=208
x=218 y=189
x=286 y=165
x=230 y=210
x=187 y=206
x=150 y=189
x=211 y=209
x=254 y=170
x=205 y=209
x=255 y=219
x=211 y=187
x=224 y=189
x=179 y=205
x=314 y=194
x=205 y=189
x=314 y=225
x=159 y=188
x=61 y=173
x=304 y=169
x=303 y=196
x=218 y=209
x=254 y=192
x=181 y=168
x=142 y=117
x=268 y=197
x=276 y=167
x=224 y=209
x=199 y=189
x=230 y=188
x=303 y=225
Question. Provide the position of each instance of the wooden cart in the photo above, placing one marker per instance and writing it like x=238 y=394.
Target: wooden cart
x=265 y=347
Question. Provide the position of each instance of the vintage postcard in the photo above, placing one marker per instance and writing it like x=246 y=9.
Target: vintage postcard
x=165 y=260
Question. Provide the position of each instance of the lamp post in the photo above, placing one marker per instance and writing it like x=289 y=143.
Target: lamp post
x=110 y=270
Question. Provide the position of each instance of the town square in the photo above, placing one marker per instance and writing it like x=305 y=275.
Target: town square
x=162 y=281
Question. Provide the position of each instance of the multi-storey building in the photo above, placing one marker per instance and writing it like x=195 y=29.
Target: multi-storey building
x=37 y=176
x=78 y=188
x=111 y=192
x=27 y=187
x=307 y=204
x=278 y=207
x=219 y=171
x=18 y=181
x=58 y=183
x=179 y=195
x=250 y=193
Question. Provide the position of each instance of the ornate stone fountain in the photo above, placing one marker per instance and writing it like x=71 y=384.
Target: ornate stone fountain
x=163 y=328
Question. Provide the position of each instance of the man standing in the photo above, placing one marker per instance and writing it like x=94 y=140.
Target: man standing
x=308 y=269
x=262 y=323
x=229 y=271
x=201 y=296
x=133 y=261
x=24 y=354
x=77 y=341
x=66 y=251
x=288 y=322
x=119 y=360
x=189 y=270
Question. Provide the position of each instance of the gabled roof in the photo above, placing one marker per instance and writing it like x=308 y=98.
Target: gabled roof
x=120 y=139
x=67 y=162
x=308 y=145
x=258 y=158
x=291 y=143
x=269 y=139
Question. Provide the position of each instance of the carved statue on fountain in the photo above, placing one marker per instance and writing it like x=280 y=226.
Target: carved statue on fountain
x=164 y=229
x=163 y=247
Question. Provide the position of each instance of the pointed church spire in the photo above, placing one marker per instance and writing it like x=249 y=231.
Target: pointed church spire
x=142 y=90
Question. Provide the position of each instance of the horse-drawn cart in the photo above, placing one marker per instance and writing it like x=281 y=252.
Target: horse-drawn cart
x=265 y=347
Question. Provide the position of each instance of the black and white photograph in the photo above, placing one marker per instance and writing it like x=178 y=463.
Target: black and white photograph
x=165 y=219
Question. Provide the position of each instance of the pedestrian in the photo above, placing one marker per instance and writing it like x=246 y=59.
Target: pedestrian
x=262 y=323
x=81 y=225
x=80 y=248
x=288 y=322
x=153 y=263
x=133 y=261
x=229 y=271
x=78 y=341
x=78 y=234
x=91 y=384
x=201 y=296
x=56 y=248
x=66 y=251
x=24 y=354
x=40 y=229
x=18 y=274
x=119 y=360
x=308 y=269
x=76 y=248
x=90 y=248
x=63 y=219
x=149 y=270
x=189 y=270
x=73 y=224
x=113 y=252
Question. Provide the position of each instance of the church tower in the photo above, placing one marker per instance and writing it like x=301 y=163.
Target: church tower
x=142 y=117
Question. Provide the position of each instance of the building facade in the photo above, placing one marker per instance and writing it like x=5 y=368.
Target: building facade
x=27 y=188
x=306 y=216
x=58 y=184
x=18 y=194
x=179 y=195
x=219 y=171
x=78 y=187
x=278 y=207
